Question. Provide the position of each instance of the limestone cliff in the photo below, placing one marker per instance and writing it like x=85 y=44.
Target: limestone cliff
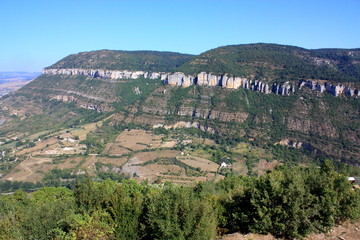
x=210 y=79
x=106 y=74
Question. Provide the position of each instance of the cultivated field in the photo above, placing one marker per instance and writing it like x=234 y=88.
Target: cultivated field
x=30 y=170
x=197 y=162
x=136 y=153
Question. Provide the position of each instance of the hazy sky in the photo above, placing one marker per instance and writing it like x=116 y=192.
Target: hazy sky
x=36 y=34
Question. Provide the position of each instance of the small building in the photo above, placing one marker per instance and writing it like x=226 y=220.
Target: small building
x=351 y=179
x=224 y=164
x=355 y=181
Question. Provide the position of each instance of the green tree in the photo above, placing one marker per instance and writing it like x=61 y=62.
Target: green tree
x=176 y=212
x=90 y=196
x=98 y=225
x=125 y=207
x=292 y=202
x=12 y=215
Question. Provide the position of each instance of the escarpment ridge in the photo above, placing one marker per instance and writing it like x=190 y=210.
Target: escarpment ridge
x=211 y=79
x=144 y=89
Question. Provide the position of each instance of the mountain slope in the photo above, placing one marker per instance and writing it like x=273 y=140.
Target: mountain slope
x=304 y=126
x=279 y=62
x=124 y=60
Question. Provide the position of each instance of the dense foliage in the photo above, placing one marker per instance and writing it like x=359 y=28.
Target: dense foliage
x=287 y=202
x=124 y=60
x=278 y=62
x=127 y=94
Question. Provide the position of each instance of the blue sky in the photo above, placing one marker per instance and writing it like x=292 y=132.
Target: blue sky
x=36 y=34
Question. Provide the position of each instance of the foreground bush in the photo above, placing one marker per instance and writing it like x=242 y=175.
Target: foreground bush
x=292 y=202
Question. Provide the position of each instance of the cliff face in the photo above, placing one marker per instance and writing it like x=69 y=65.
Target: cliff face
x=209 y=79
x=335 y=90
x=106 y=74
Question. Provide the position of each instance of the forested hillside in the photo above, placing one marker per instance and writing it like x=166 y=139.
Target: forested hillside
x=124 y=60
x=288 y=202
x=279 y=62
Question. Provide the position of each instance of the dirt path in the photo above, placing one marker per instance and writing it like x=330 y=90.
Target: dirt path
x=27 y=169
x=24 y=171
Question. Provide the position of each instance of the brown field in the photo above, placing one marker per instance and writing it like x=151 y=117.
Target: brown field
x=33 y=169
x=264 y=166
x=239 y=166
x=115 y=149
x=89 y=162
x=153 y=171
x=168 y=144
x=165 y=172
x=149 y=156
x=137 y=139
x=30 y=170
x=71 y=162
x=197 y=162
x=119 y=161
x=182 y=179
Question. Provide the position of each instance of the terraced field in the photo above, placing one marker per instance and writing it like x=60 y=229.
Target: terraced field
x=135 y=153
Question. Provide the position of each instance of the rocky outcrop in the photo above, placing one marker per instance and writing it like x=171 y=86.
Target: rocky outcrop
x=210 y=79
x=283 y=89
x=309 y=126
x=92 y=107
x=180 y=79
x=106 y=74
x=226 y=81
x=205 y=113
x=65 y=98
x=335 y=90
x=297 y=144
x=183 y=124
